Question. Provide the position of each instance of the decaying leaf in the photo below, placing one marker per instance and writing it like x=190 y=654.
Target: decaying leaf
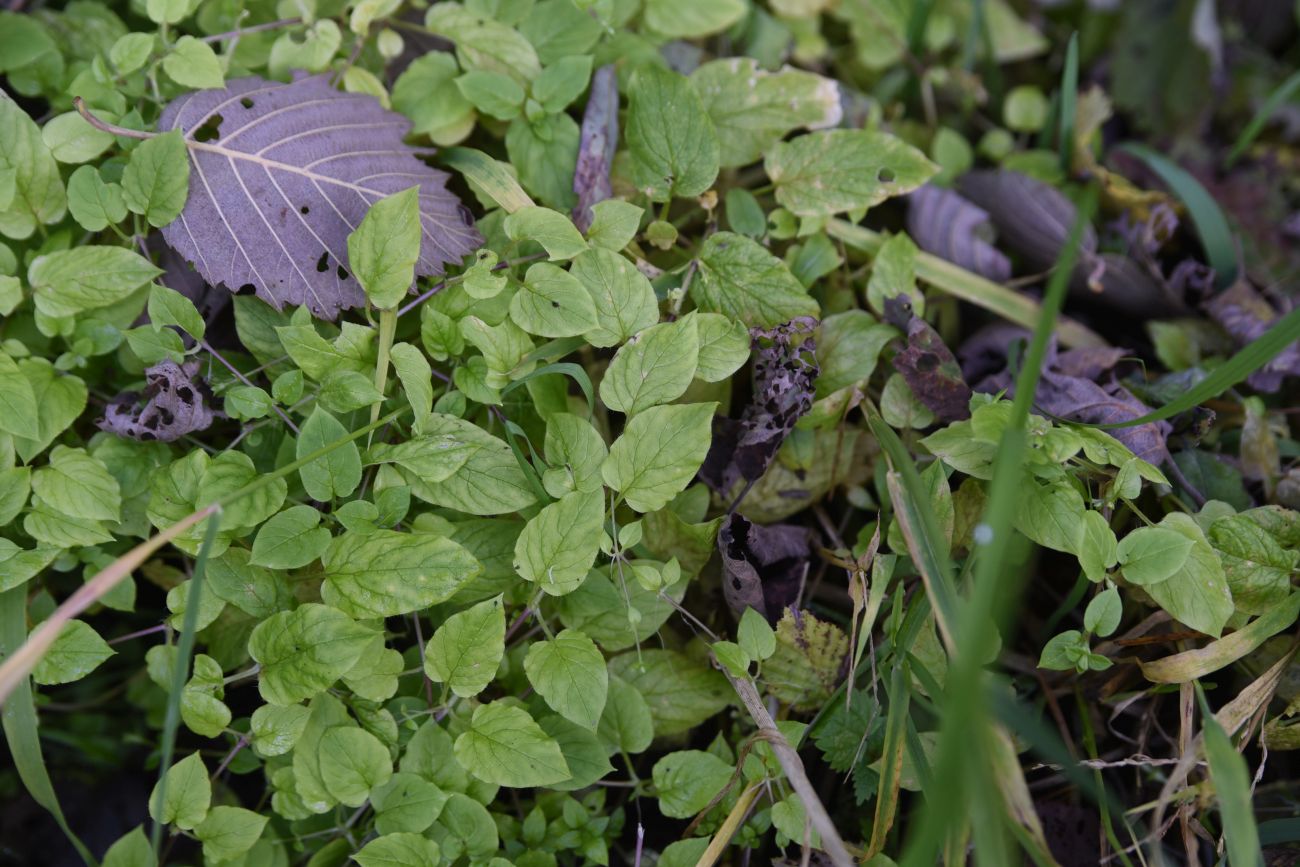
x=282 y=173
x=174 y=403
x=596 y=145
x=809 y=659
x=1246 y=314
x=764 y=566
x=1077 y=399
x=785 y=370
x=1033 y=218
x=927 y=364
x=944 y=223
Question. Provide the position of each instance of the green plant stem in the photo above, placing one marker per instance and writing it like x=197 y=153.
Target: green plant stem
x=387 y=328
x=968 y=286
x=180 y=672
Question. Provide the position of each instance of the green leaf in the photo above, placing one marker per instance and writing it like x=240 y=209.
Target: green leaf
x=407 y=803
x=169 y=307
x=1098 y=550
x=290 y=539
x=1149 y=555
x=343 y=391
x=554 y=231
x=23 y=39
x=685 y=19
x=402 y=849
x=740 y=279
x=564 y=80
x=484 y=43
x=78 y=485
x=425 y=94
x=18 y=414
x=847 y=349
x=39 y=197
x=893 y=273
x=336 y=474
x=229 y=832
x=302 y=652
x=492 y=93
x=156 y=182
x=151 y=345
x=503 y=745
x=276 y=729
x=688 y=780
x=131 y=850
x=724 y=347
x=1064 y=651
x=187 y=796
x=658 y=454
x=825 y=173
x=85 y=278
x=432 y=457
x=416 y=376
x=575 y=451
x=1103 y=613
x=167 y=11
x=672 y=147
x=755 y=635
x=753 y=109
x=383 y=250
x=680 y=692
x=622 y=297
x=732 y=657
x=466 y=649
x=1050 y=514
x=626 y=724
x=568 y=671
x=193 y=63
x=93 y=203
x=72 y=139
x=489 y=482
x=385 y=573
x=76 y=652
x=131 y=51
x=352 y=763
x=1256 y=565
x=560 y=543
x=1197 y=594
x=551 y=302
x=654 y=367
x=614 y=224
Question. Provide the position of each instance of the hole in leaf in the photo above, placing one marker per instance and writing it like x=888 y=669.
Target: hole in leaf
x=343 y=274
x=247 y=289
x=246 y=102
x=885 y=175
x=210 y=129
x=555 y=303
x=323 y=263
x=304 y=210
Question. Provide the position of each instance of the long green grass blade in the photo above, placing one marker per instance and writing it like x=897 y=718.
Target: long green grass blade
x=1211 y=225
x=996 y=587
x=1231 y=779
x=1250 y=358
x=180 y=673
x=1284 y=91
x=20 y=724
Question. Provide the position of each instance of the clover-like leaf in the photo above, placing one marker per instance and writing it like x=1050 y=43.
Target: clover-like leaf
x=281 y=174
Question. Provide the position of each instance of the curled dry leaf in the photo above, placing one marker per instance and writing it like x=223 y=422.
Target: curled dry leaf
x=596 y=145
x=785 y=372
x=1032 y=218
x=280 y=174
x=764 y=565
x=174 y=403
x=927 y=364
x=944 y=223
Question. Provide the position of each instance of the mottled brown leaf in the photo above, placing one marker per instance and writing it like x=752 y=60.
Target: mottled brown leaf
x=927 y=364
x=764 y=566
x=173 y=404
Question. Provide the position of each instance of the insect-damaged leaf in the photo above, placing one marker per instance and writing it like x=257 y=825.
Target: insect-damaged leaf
x=764 y=565
x=785 y=371
x=280 y=174
x=927 y=364
x=175 y=404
